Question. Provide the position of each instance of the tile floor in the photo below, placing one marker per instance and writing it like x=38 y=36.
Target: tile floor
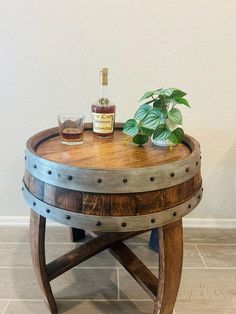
x=101 y=285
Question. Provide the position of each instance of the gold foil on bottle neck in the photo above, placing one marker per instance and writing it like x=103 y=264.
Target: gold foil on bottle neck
x=104 y=76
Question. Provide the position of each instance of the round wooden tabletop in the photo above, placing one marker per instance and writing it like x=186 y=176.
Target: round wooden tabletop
x=117 y=152
x=112 y=165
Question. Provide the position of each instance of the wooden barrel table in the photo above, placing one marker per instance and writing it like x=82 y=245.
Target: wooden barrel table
x=115 y=190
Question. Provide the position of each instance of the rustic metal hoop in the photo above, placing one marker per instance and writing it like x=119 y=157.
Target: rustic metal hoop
x=111 y=223
x=110 y=180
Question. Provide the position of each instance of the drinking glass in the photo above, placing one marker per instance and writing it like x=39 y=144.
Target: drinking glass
x=71 y=127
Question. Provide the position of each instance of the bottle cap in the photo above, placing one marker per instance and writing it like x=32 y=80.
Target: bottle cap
x=104 y=76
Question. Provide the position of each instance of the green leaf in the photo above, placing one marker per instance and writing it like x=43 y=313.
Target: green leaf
x=171 y=125
x=176 y=136
x=158 y=103
x=131 y=127
x=167 y=92
x=175 y=116
x=157 y=91
x=152 y=119
x=147 y=95
x=142 y=111
x=170 y=92
x=178 y=93
x=162 y=132
x=149 y=102
x=183 y=101
x=140 y=139
x=145 y=131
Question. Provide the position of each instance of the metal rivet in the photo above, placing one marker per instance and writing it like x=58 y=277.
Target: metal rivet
x=99 y=180
x=152 y=179
x=69 y=178
x=153 y=220
x=48 y=210
x=49 y=172
x=35 y=166
x=189 y=205
x=123 y=224
x=172 y=174
x=187 y=169
x=34 y=203
x=98 y=223
x=68 y=217
x=125 y=180
x=174 y=214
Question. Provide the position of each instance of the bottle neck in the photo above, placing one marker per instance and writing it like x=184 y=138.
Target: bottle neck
x=104 y=94
x=103 y=91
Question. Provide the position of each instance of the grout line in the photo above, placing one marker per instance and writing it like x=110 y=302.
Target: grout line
x=25 y=300
x=63 y=243
x=23 y=242
x=119 y=267
x=15 y=267
x=201 y=256
x=27 y=242
x=131 y=243
x=222 y=268
x=104 y=300
x=206 y=243
x=98 y=267
x=118 y=283
x=71 y=243
x=219 y=244
x=203 y=267
x=4 y=310
x=78 y=300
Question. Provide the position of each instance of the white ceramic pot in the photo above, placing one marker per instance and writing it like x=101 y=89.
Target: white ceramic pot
x=162 y=143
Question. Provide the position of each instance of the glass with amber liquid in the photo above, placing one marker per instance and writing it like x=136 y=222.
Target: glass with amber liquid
x=71 y=128
x=103 y=111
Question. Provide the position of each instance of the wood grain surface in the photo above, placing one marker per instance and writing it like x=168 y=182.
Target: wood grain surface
x=113 y=204
x=114 y=153
x=170 y=238
x=37 y=243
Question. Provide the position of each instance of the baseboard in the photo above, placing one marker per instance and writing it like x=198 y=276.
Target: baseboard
x=209 y=223
x=21 y=221
x=188 y=223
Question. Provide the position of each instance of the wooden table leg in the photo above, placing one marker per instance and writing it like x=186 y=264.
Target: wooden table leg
x=77 y=234
x=163 y=290
x=37 y=242
x=170 y=239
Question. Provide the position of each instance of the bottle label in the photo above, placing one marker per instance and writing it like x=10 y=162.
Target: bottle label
x=103 y=123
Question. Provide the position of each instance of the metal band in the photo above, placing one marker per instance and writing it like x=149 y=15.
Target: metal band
x=132 y=180
x=111 y=223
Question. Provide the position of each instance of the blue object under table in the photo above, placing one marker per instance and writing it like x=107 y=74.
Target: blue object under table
x=153 y=241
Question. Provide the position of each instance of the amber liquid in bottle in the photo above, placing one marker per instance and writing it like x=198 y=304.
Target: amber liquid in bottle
x=103 y=111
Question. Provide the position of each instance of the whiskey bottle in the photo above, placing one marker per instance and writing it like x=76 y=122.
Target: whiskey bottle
x=103 y=111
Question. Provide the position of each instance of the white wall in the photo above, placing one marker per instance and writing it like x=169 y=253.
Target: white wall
x=50 y=54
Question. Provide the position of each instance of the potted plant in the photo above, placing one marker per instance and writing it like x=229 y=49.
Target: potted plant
x=158 y=118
